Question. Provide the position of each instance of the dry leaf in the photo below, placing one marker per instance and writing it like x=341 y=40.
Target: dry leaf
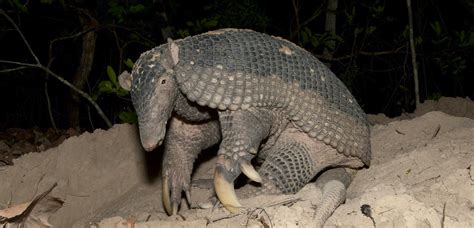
x=32 y=214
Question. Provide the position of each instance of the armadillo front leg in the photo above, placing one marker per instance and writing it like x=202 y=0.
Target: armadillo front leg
x=183 y=143
x=242 y=133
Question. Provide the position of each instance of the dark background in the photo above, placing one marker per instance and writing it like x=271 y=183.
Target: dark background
x=369 y=51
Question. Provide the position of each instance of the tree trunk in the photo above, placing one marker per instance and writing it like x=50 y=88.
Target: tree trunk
x=85 y=65
x=413 y=54
x=330 y=27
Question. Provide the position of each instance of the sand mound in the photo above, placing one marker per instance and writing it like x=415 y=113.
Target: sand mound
x=421 y=176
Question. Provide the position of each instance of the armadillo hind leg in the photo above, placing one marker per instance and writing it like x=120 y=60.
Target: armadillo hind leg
x=242 y=133
x=183 y=143
x=287 y=172
x=295 y=160
x=333 y=184
x=288 y=167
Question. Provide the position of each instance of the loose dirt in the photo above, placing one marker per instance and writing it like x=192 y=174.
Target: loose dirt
x=422 y=175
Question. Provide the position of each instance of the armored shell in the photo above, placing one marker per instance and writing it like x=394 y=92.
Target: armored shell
x=233 y=69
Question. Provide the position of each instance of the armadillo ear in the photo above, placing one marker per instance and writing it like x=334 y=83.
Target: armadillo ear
x=174 y=50
x=171 y=55
x=125 y=80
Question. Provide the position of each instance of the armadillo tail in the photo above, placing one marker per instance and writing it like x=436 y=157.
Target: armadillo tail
x=333 y=184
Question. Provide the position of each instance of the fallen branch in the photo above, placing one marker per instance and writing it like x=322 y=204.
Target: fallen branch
x=48 y=71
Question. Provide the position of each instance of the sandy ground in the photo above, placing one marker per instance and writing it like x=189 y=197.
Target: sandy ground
x=422 y=175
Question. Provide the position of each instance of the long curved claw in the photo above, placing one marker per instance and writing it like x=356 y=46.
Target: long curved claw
x=188 y=196
x=225 y=191
x=166 y=197
x=175 y=208
x=249 y=171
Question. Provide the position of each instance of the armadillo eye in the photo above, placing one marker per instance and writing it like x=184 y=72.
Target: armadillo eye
x=163 y=81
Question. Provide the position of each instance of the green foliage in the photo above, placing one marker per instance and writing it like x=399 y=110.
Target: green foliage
x=435 y=96
x=128 y=117
x=16 y=4
x=49 y=2
x=464 y=38
x=439 y=36
x=450 y=61
x=406 y=35
x=198 y=26
x=325 y=40
x=129 y=63
x=121 y=11
x=227 y=14
x=454 y=65
x=137 y=8
x=110 y=86
x=377 y=10
x=350 y=15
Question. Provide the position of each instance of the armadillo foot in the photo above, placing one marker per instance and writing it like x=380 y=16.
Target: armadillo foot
x=173 y=187
x=225 y=191
x=227 y=170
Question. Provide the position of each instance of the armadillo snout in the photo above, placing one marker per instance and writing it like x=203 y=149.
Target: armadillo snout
x=150 y=146
x=151 y=138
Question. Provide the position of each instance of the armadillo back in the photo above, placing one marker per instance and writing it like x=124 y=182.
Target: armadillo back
x=237 y=69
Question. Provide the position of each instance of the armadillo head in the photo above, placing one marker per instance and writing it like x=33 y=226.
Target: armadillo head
x=153 y=89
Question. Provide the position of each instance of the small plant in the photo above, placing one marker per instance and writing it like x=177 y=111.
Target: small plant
x=435 y=96
x=112 y=86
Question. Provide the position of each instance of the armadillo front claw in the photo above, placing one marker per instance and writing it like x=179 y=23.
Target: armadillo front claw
x=171 y=208
x=249 y=171
x=225 y=191
x=166 y=196
x=187 y=193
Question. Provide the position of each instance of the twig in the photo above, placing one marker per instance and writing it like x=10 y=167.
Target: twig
x=399 y=132
x=444 y=215
x=13 y=69
x=222 y=218
x=286 y=202
x=82 y=93
x=260 y=219
x=296 y=10
x=69 y=37
x=21 y=35
x=47 y=70
x=20 y=63
x=48 y=101
x=316 y=13
x=50 y=62
x=435 y=133
x=117 y=42
x=396 y=50
x=431 y=178
x=90 y=117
